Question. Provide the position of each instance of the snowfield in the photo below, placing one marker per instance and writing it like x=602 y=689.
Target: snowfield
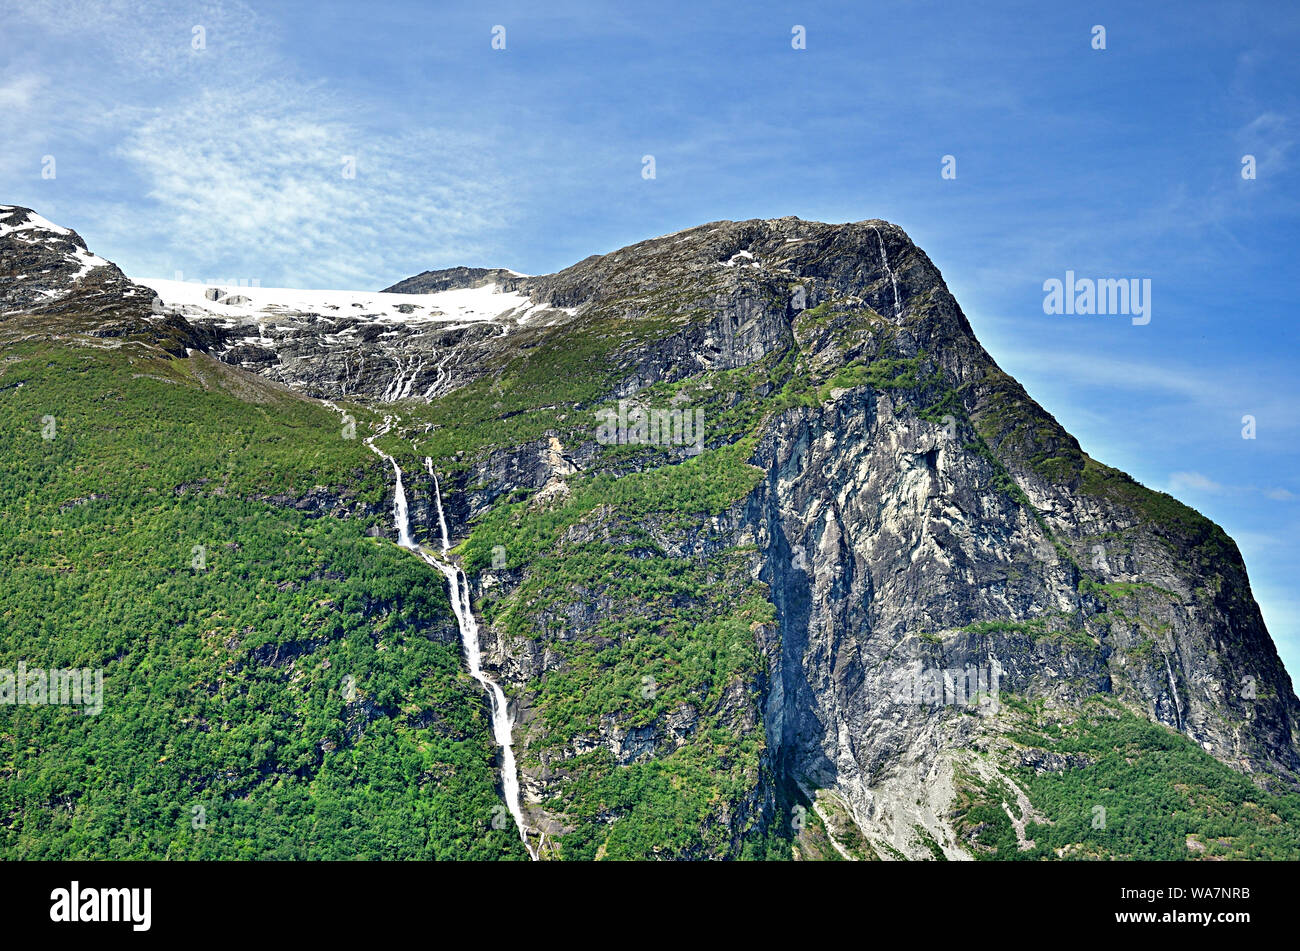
x=459 y=306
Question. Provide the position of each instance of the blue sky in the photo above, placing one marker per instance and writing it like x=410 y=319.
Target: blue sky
x=225 y=163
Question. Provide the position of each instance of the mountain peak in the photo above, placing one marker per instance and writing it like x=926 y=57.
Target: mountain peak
x=767 y=458
x=51 y=283
x=43 y=261
x=456 y=278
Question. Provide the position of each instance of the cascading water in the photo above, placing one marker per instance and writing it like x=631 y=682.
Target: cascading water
x=437 y=497
x=502 y=725
x=401 y=514
x=884 y=259
x=458 y=591
x=399 y=387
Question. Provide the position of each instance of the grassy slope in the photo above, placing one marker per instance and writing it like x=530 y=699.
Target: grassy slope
x=671 y=634
x=223 y=687
x=1136 y=790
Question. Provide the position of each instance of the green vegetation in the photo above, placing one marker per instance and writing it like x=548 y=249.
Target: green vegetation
x=677 y=495
x=823 y=839
x=551 y=387
x=300 y=685
x=925 y=838
x=1019 y=430
x=1016 y=429
x=1135 y=790
x=883 y=374
x=232 y=631
x=639 y=641
x=1178 y=525
x=1034 y=627
x=1122 y=589
x=1065 y=626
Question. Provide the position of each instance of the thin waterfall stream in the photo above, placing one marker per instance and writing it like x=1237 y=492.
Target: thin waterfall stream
x=502 y=725
x=884 y=259
x=459 y=593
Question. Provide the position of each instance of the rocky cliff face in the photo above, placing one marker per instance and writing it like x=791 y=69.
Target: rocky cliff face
x=51 y=284
x=876 y=564
x=941 y=522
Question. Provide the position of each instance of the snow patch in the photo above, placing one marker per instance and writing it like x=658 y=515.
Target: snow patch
x=34 y=222
x=36 y=227
x=742 y=258
x=87 y=262
x=463 y=305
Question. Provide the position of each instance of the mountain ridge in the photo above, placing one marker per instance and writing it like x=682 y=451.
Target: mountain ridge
x=873 y=501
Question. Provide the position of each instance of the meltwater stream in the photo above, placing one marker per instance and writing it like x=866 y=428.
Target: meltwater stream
x=458 y=590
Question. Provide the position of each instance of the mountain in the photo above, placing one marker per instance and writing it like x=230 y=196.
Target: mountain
x=768 y=556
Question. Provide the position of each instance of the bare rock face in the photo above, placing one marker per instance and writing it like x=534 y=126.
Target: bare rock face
x=457 y=278
x=917 y=528
x=890 y=559
x=913 y=533
x=51 y=283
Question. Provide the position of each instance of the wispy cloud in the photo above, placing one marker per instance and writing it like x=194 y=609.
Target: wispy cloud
x=17 y=92
x=1193 y=480
x=153 y=39
x=1270 y=137
x=1219 y=387
x=240 y=157
x=1198 y=482
x=275 y=169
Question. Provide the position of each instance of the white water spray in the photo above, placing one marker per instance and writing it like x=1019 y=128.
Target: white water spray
x=399 y=387
x=437 y=497
x=458 y=587
x=458 y=592
x=401 y=515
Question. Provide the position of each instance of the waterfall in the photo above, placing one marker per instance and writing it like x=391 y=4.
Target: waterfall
x=440 y=375
x=401 y=515
x=458 y=593
x=884 y=258
x=410 y=380
x=458 y=588
x=399 y=387
x=1173 y=692
x=437 y=497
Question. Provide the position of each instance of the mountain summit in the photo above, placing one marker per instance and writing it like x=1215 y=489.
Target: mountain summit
x=767 y=554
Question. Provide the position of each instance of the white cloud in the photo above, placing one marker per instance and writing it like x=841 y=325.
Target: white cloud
x=1270 y=132
x=1195 y=481
x=16 y=94
x=1198 y=482
x=240 y=158
x=1220 y=388
x=256 y=172
x=153 y=39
